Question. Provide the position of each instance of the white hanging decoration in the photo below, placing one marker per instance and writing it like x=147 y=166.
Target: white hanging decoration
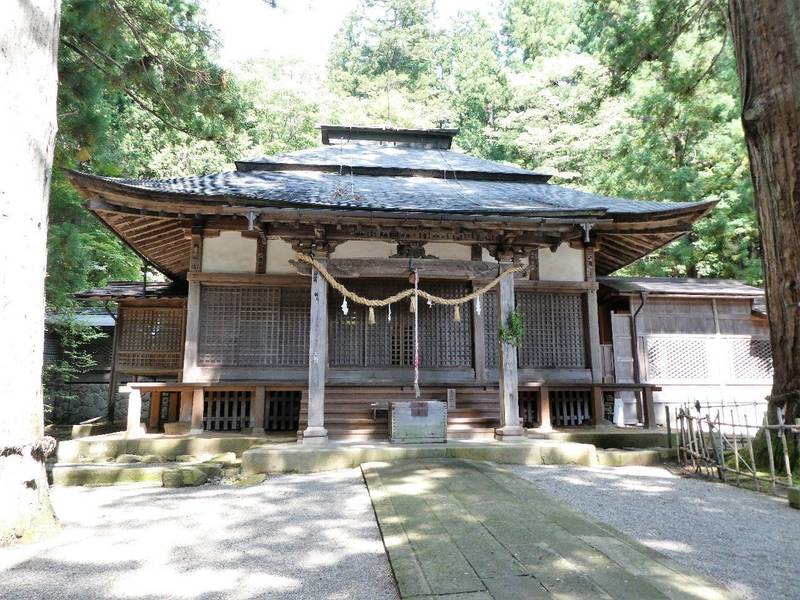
x=430 y=304
x=478 y=305
x=345 y=309
x=390 y=313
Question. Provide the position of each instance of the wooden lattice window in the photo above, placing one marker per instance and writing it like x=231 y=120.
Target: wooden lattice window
x=751 y=359
x=677 y=358
x=253 y=326
x=150 y=339
x=553 y=334
x=553 y=330
x=444 y=343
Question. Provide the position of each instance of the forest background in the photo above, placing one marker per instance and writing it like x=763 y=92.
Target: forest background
x=638 y=99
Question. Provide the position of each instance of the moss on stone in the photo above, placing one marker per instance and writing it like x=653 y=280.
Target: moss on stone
x=224 y=458
x=153 y=458
x=125 y=459
x=251 y=480
x=183 y=477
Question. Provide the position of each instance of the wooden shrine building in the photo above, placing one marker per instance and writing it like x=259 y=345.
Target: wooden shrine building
x=250 y=338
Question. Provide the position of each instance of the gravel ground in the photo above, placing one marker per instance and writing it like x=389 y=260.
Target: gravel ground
x=295 y=536
x=744 y=540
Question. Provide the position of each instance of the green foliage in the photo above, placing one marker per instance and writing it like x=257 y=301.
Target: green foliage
x=511 y=332
x=538 y=28
x=72 y=359
x=385 y=44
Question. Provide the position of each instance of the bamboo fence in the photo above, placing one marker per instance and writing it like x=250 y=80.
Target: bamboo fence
x=722 y=446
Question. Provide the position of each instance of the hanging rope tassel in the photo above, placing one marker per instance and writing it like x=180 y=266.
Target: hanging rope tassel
x=457 y=313
x=414 y=299
x=412 y=305
x=371 y=316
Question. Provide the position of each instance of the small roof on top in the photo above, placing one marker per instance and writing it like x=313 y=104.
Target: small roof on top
x=680 y=286
x=377 y=159
x=120 y=290
x=427 y=138
x=85 y=315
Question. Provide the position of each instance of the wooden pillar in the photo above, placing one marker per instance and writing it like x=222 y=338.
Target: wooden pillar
x=592 y=318
x=113 y=377
x=185 y=410
x=317 y=360
x=134 y=427
x=197 y=410
x=257 y=410
x=193 y=307
x=509 y=392
x=648 y=408
x=192 y=332
x=598 y=407
x=155 y=411
x=544 y=410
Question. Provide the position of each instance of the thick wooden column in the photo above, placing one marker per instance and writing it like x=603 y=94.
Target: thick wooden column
x=192 y=332
x=185 y=407
x=193 y=309
x=544 y=410
x=592 y=318
x=593 y=338
x=317 y=360
x=509 y=393
x=257 y=410
x=197 y=410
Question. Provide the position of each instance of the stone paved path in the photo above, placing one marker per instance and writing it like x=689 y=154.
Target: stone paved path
x=464 y=530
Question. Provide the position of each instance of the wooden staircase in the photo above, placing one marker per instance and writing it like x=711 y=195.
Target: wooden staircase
x=349 y=413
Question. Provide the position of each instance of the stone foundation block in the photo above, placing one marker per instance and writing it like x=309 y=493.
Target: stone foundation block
x=183 y=477
x=177 y=428
x=794 y=497
x=153 y=458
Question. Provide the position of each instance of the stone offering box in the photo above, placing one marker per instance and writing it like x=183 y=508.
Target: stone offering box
x=422 y=421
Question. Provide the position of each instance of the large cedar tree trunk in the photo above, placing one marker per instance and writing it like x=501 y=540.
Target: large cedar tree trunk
x=766 y=37
x=28 y=81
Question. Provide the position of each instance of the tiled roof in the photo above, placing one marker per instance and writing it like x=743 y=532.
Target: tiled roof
x=331 y=190
x=677 y=285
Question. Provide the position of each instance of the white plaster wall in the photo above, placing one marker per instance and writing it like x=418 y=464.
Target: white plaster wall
x=565 y=264
x=229 y=253
x=364 y=249
x=278 y=255
x=448 y=250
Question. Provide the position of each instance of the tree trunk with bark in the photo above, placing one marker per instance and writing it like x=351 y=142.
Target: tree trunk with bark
x=28 y=80
x=766 y=38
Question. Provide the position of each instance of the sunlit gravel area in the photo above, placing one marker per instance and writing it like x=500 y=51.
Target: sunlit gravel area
x=745 y=540
x=294 y=536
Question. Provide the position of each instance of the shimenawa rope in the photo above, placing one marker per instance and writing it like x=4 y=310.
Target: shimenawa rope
x=405 y=293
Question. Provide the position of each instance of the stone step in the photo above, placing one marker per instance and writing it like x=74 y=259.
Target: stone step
x=630 y=457
x=97 y=474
